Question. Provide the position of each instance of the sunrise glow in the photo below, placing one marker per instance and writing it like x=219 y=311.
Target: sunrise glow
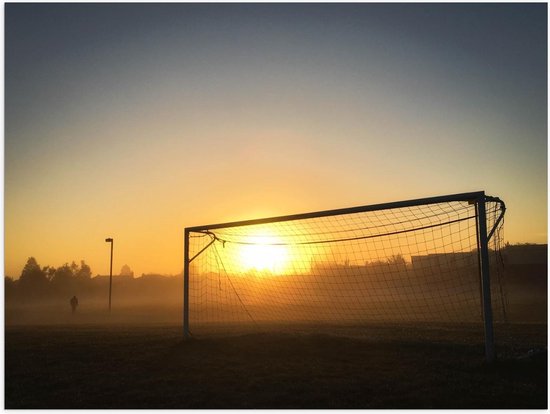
x=263 y=252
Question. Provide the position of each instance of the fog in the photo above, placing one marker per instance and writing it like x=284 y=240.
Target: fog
x=152 y=299
x=417 y=291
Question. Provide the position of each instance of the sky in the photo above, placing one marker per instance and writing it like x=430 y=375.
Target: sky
x=134 y=121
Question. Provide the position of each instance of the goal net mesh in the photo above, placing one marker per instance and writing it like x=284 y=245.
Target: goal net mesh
x=400 y=265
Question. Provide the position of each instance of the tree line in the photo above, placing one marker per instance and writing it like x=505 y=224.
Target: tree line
x=45 y=283
x=36 y=281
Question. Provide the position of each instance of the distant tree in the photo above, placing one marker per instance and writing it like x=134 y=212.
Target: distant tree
x=49 y=271
x=397 y=259
x=84 y=272
x=63 y=281
x=63 y=274
x=32 y=277
x=30 y=269
x=376 y=263
x=9 y=287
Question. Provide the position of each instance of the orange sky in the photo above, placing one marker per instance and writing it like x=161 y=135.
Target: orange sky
x=134 y=122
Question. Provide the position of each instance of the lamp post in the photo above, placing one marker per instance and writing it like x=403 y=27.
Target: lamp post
x=110 y=240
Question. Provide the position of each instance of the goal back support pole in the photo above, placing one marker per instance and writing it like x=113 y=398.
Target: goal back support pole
x=485 y=279
x=186 y=332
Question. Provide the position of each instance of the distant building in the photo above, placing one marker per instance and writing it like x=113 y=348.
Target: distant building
x=126 y=271
x=525 y=254
x=444 y=261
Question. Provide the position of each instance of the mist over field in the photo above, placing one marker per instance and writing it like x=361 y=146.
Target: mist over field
x=334 y=294
x=142 y=300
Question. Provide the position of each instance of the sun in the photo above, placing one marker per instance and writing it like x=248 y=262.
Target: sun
x=264 y=252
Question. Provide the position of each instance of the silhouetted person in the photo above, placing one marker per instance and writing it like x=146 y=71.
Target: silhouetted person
x=74 y=303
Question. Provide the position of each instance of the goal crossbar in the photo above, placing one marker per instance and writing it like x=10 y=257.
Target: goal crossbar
x=471 y=197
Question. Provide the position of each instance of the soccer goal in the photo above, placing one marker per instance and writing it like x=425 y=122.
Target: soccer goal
x=430 y=260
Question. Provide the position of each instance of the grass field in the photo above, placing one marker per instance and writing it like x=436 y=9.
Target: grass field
x=117 y=366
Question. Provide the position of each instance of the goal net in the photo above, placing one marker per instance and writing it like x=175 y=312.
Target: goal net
x=413 y=261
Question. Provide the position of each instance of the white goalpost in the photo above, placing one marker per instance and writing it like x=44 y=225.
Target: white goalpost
x=422 y=261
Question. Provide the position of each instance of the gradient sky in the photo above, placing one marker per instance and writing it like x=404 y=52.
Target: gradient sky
x=133 y=121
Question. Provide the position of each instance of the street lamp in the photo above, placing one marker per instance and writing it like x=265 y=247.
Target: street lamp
x=110 y=240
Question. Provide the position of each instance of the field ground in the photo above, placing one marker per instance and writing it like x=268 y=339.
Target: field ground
x=123 y=366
